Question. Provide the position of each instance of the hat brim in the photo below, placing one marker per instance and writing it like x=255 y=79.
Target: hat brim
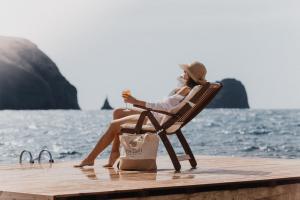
x=185 y=67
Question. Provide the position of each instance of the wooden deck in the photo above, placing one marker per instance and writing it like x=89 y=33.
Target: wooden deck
x=218 y=178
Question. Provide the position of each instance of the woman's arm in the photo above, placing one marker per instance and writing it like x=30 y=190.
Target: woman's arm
x=130 y=99
x=164 y=105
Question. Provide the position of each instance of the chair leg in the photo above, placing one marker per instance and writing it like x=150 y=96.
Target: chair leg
x=186 y=148
x=170 y=149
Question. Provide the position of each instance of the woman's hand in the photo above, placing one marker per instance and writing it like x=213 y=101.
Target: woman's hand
x=184 y=91
x=129 y=99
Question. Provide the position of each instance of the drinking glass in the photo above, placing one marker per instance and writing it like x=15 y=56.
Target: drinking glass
x=126 y=92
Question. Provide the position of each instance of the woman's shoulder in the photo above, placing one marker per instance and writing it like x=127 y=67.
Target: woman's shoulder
x=184 y=90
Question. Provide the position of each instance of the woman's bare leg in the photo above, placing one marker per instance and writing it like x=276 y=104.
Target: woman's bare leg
x=107 y=138
x=115 y=150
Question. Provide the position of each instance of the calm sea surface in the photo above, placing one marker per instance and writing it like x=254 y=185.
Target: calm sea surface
x=230 y=132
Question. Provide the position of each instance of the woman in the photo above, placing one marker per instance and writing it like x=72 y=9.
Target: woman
x=194 y=74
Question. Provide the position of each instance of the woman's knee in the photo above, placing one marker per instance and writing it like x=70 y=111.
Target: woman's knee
x=115 y=125
x=117 y=113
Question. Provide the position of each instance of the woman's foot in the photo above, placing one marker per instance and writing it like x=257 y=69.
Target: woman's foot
x=112 y=159
x=85 y=163
x=108 y=165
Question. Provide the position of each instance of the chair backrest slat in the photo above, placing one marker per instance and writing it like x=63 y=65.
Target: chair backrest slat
x=184 y=109
x=201 y=99
x=198 y=104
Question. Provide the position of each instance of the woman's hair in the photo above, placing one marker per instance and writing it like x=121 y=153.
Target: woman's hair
x=191 y=83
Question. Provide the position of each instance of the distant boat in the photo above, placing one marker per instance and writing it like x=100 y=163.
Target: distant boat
x=106 y=105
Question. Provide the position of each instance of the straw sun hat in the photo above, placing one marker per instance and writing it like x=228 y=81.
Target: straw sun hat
x=196 y=71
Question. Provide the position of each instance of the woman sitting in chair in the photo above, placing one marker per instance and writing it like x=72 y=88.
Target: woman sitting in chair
x=194 y=74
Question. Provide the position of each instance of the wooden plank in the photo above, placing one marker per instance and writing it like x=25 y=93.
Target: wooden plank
x=216 y=175
x=183 y=157
x=285 y=192
x=23 y=196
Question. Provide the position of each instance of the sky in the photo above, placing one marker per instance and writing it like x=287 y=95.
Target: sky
x=105 y=46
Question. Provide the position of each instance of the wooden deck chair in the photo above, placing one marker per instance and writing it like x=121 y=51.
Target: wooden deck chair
x=198 y=98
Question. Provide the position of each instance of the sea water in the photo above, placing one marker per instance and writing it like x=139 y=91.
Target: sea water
x=70 y=135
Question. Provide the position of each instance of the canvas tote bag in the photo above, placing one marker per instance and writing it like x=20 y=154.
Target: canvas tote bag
x=138 y=151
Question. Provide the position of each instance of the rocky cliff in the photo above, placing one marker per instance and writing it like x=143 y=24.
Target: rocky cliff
x=106 y=105
x=232 y=95
x=29 y=79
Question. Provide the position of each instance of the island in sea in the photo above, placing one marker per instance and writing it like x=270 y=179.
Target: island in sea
x=29 y=79
x=106 y=105
x=232 y=95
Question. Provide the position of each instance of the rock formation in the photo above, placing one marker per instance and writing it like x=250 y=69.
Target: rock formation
x=29 y=79
x=106 y=105
x=232 y=95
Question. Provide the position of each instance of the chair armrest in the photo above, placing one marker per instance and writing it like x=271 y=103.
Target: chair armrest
x=140 y=122
x=139 y=125
x=154 y=110
x=142 y=107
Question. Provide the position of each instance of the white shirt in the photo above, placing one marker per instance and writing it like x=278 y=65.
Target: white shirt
x=166 y=105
